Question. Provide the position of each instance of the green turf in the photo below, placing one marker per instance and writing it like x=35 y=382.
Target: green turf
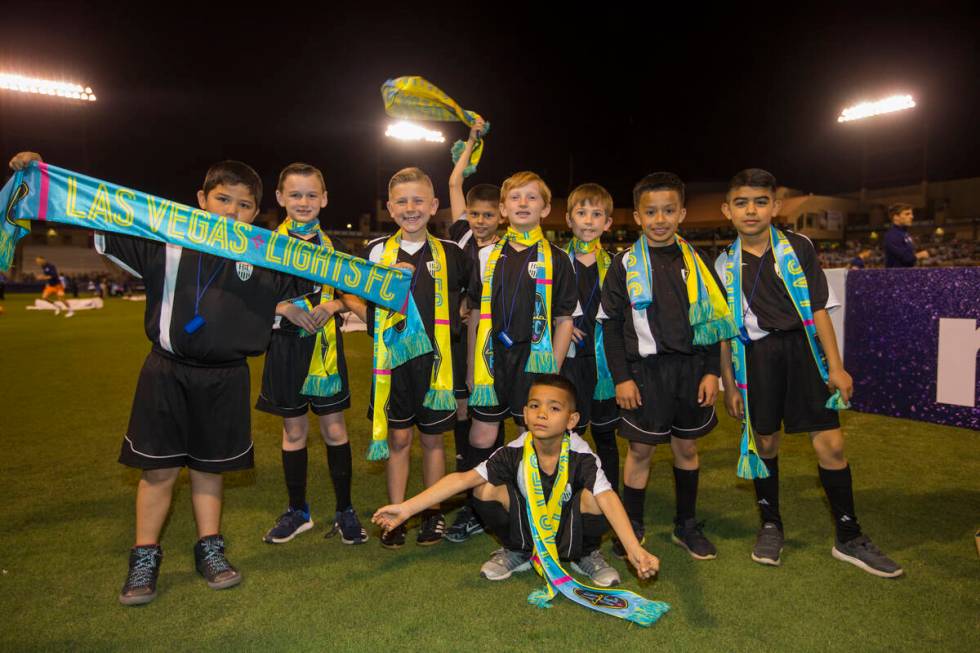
x=66 y=509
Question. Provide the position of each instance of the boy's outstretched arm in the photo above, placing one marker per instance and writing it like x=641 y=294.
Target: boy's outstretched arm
x=839 y=378
x=647 y=565
x=390 y=516
x=457 y=201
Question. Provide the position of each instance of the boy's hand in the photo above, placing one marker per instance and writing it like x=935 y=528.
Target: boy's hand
x=23 y=159
x=320 y=314
x=708 y=390
x=578 y=335
x=733 y=403
x=476 y=129
x=299 y=317
x=841 y=380
x=390 y=516
x=464 y=314
x=646 y=564
x=405 y=266
x=628 y=395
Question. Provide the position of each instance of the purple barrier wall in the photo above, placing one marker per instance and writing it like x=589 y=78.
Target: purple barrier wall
x=893 y=350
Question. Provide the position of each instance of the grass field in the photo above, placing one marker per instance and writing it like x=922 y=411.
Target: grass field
x=67 y=512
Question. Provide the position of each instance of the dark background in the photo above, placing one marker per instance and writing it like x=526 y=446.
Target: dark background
x=577 y=95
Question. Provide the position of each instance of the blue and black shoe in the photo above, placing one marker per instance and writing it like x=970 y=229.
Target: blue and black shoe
x=349 y=526
x=290 y=524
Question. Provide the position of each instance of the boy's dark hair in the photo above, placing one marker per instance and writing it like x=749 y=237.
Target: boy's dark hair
x=302 y=169
x=657 y=181
x=754 y=178
x=230 y=173
x=897 y=208
x=483 y=193
x=555 y=381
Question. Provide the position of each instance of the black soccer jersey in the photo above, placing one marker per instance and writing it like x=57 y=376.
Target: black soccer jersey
x=419 y=255
x=514 y=288
x=589 y=299
x=506 y=467
x=629 y=335
x=237 y=301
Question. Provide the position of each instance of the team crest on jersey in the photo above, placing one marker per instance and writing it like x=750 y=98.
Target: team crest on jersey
x=684 y=274
x=433 y=268
x=244 y=270
x=532 y=269
x=566 y=496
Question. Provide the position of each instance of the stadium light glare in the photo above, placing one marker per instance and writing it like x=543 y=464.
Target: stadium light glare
x=38 y=86
x=889 y=104
x=407 y=131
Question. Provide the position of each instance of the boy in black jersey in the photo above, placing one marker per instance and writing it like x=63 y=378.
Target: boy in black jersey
x=204 y=316
x=501 y=496
x=305 y=369
x=785 y=385
x=665 y=385
x=411 y=202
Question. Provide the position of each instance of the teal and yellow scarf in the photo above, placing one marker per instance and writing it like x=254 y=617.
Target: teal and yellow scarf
x=604 y=387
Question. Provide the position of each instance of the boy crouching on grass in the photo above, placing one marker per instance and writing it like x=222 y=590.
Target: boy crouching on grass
x=500 y=492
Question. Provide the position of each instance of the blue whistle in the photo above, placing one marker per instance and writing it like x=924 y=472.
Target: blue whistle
x=505 y=339
x=196 y=323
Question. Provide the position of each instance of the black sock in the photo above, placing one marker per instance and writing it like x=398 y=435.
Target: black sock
x=339 y=462
x=840 y=493
x=608 y=452
x=461 y=434
x=499 y=442
x=767 y=493
x=686 y=493
x=593 y=528
x=476 y=455
x=633 y=500
x=294 y=468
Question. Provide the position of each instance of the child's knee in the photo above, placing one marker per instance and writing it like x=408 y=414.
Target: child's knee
x=640 y=453
x=685 y=451
x=161 y=476
x=829 y=446
x=492 y=493
x=767 y=445
x=399 y=439
x=431 y=442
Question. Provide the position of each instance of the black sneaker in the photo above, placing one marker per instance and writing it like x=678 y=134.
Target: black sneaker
x=863 y=554
x=464 y=527
x=431 y=529
x=690 y=536
x=349 y=526
x=395 y=538
x=768 y=545
x=290 y=524
x=209 y=558
x=619 y=550
x=144 y=567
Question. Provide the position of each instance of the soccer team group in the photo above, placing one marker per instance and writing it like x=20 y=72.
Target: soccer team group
x=561 y=340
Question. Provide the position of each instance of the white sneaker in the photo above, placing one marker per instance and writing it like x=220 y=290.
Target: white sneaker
x=503 y=563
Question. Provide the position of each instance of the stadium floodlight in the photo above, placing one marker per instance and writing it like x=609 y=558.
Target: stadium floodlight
x=889 y=104
x=36 y=85
x=407 y=131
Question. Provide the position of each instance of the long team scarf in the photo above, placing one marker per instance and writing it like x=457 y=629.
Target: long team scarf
x=750 y=464
x=323 y=378
x=709 y=313
x=415 y=98
x=542 y=356
x=440 y=394
x=604 y=387
x=47 y=193
x=544 y=517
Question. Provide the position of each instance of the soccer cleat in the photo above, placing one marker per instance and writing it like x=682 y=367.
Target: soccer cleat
x=431 y=529
x=395 y=538
x=619 y=550
x=768 y=545
x=290 y=524
x=349 y=526
x=597 y=569
x=464 y=527
x=690 y=536
x=863 y=554
x=504 y=562
x=209 y=558
x=144 y=567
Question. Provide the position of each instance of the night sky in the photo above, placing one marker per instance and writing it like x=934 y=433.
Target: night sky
x=605 y=97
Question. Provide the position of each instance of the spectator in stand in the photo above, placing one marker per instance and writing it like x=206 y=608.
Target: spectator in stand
x=899 y=247
x=857 y=263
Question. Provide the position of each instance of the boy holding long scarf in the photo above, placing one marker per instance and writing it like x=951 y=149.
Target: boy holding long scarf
x=784 y=369
x=522 y=298
x=305 y=369
x=415 y=386
x=545 y=496
x=664 y=314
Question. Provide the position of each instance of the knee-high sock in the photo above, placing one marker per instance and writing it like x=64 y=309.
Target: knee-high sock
x=767 y=494
x=634 y=500
x=593 y=528
x=685 y=493
x=496 y=521
x=840 y=493
x=608 y=452
x=294 y=469
x=339 y=462
x=461 y=434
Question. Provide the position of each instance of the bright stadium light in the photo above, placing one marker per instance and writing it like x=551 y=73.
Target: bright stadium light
x=67 y=90
x=870 y=109
x=406 y=131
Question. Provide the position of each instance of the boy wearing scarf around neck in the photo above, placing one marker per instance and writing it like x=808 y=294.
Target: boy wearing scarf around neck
x=305 y=369
x=663 y=315
x=590 y=208
x=418 y=386
x=522 y=298
x=545 y=496
x=784 y=369
x=476 y=218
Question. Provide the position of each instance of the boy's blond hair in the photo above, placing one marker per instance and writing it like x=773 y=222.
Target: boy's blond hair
x=410 y=175
x=594 y=194
x=524 y=178
x=303 y=170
